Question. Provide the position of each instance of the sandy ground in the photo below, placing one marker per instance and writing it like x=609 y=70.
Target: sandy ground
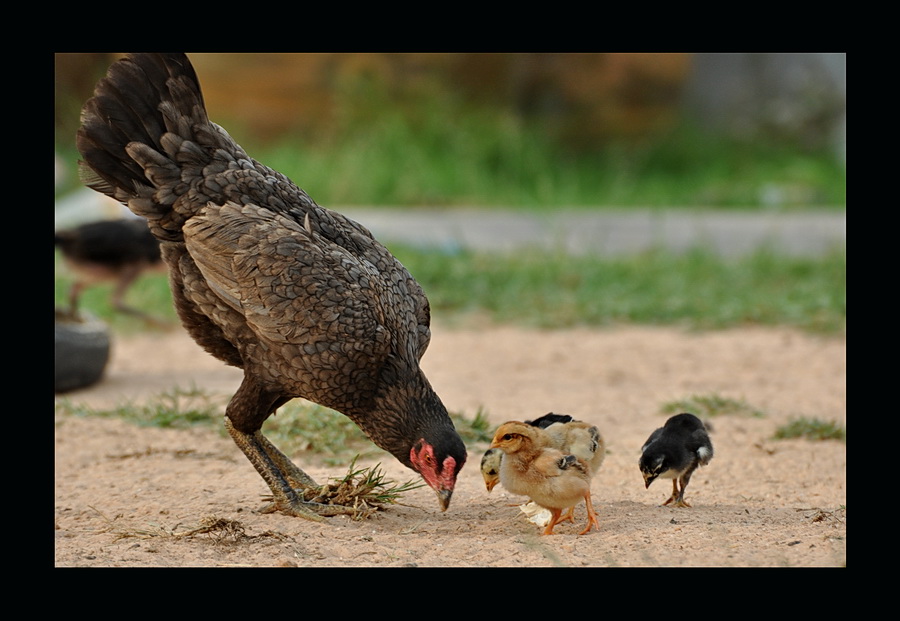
x=135 y=497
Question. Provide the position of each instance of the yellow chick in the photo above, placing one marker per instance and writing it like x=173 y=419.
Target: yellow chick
x=551 y=478
x=490 y=470
x=565 y=433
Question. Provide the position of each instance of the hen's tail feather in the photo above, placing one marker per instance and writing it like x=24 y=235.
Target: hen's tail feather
x=146 y=140
x=133 y=129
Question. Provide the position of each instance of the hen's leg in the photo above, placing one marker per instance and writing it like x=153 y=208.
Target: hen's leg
x=286 y=499
x=295 y=476
x=244 y=416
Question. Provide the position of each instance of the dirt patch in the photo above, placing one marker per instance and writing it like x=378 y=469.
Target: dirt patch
x=134 y=497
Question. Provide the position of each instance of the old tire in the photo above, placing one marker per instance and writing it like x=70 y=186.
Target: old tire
x=82 y=351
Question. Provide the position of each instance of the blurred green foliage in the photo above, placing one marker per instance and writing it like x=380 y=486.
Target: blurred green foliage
x=440 y=149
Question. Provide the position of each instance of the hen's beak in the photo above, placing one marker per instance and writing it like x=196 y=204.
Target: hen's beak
x=444 y=498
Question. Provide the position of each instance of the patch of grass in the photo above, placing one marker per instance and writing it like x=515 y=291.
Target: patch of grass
x=705 y=406
x=298 y=427
x=177 y=408
x=301 y=426
x=811 y=429
x=473 y=430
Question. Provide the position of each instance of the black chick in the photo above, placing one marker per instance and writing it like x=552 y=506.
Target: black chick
x=674 y=451
x=302 y=298
x=109 y=250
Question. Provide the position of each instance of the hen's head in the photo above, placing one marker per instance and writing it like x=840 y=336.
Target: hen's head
x=439 y=462
x=408 y=420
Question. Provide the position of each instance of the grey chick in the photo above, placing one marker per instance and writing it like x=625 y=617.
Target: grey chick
x=674 y=451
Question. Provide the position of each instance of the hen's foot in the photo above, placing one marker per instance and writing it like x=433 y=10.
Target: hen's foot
x=294 y=505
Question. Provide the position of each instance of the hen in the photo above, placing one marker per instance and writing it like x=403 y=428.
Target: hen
x=301 y=298
x=117 y=250
x=674 y=451
x=551 y=478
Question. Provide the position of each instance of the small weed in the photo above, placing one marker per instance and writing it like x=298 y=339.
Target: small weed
x=811 y=429
x=177 y=408
x=473 y=430
x=711 y=405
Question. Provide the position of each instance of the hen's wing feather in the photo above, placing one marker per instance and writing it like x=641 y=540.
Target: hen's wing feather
x=313 y=308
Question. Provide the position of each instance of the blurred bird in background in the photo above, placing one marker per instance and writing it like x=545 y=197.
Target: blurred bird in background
x=103 y=251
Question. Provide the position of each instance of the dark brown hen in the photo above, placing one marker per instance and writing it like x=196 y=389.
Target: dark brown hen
x=303 y=299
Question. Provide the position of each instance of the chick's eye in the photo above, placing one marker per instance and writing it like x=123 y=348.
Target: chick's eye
x=508 y=436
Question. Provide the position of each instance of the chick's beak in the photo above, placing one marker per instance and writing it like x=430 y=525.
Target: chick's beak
x=490 y=484
x=648 y=479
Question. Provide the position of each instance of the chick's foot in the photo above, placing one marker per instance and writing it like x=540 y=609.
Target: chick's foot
x=592 y=516
x=677 y=497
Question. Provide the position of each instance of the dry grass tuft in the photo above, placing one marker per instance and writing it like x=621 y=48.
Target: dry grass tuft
x=364 y=490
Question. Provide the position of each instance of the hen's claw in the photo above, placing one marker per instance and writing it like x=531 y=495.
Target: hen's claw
x=297 y=507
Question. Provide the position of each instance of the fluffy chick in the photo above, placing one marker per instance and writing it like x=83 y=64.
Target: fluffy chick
x=674 y=451
x=552 y=479
x=580 y=439
x=490 y=467
x=564 y=433
x=490 y=461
